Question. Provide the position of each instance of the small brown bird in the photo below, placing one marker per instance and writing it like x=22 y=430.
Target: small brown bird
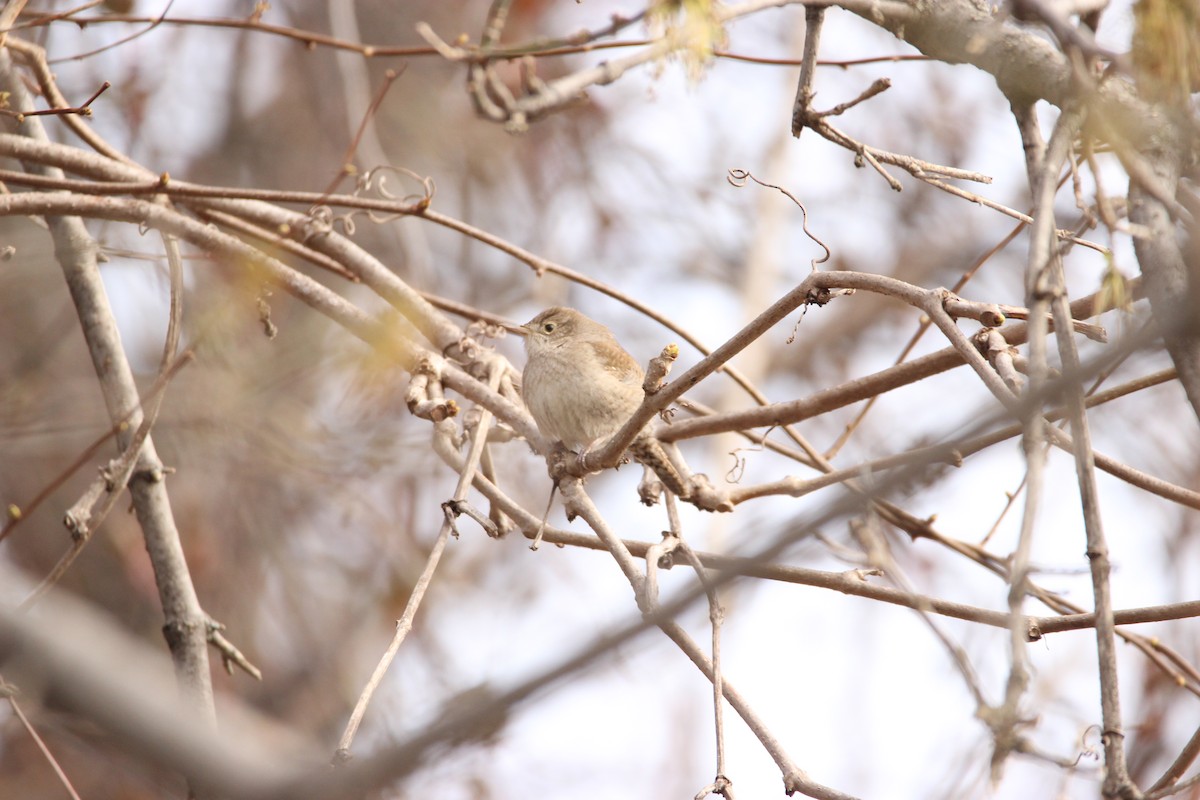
x=581 y=386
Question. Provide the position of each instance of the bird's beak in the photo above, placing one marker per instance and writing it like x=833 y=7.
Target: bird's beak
x=520 y=330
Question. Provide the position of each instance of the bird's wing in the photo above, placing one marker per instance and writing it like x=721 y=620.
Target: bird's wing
x=617 y=361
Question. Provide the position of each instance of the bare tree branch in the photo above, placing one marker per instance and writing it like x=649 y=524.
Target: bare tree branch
x=185 y=621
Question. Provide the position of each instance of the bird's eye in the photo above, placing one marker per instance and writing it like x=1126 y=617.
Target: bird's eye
x=549 y=327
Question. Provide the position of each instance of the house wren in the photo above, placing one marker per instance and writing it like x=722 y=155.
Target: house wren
x=581 y=386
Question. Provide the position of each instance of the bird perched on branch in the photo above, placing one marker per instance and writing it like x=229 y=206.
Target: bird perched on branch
x=581 y=386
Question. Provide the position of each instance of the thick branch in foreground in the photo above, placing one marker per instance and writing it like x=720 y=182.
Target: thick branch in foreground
x=185 y=623
x=1024 y=64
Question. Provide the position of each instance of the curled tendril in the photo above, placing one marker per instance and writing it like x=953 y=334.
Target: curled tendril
x=321 y=220
x=739 y=177
x=374 y=180
x=735 y=473
x=372 y=183
x=318 y=222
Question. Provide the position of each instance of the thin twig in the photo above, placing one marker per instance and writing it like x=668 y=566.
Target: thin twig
x=404 y=624
x=117 y=476
x=794 y=778
x=814 y=18
x=389 y=77
x=716 y=617
x=83 y=110
x=9 y=694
